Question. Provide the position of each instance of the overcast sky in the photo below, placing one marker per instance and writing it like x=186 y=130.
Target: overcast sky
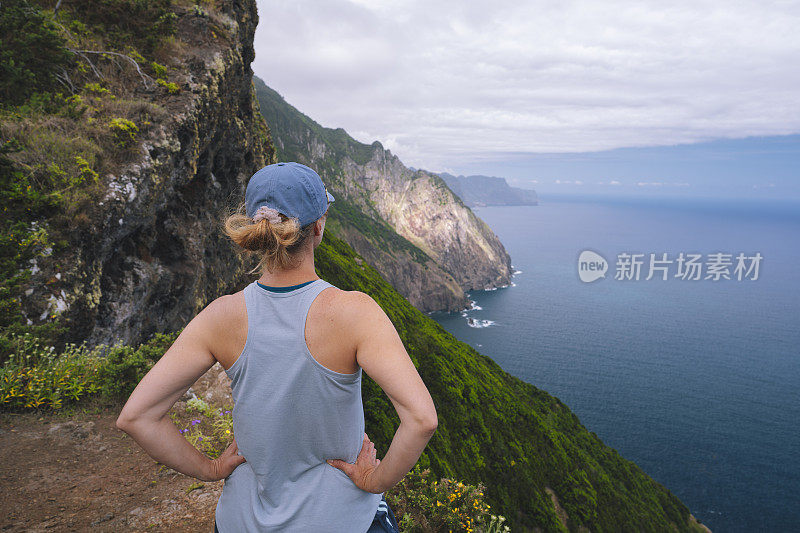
x=449 y=85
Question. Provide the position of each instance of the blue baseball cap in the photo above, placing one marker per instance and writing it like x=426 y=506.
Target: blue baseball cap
x=292 y=189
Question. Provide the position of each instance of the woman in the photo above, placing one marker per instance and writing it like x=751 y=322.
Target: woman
x=294 y=347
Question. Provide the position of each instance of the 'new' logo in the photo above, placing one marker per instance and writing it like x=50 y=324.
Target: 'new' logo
x=591 y=266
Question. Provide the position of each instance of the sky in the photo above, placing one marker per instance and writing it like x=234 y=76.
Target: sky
x=688 y=97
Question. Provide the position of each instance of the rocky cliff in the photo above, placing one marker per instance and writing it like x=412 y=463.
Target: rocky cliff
x=452 y=249
x=149 y=253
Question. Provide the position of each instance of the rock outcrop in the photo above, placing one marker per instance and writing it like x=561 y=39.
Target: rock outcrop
x=451 y=250
x=155 y=254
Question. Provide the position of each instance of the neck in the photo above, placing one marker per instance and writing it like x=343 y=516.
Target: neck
x=284 y=278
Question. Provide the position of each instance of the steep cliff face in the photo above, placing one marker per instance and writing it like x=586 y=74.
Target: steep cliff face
x=458 y=251
x=153 y=254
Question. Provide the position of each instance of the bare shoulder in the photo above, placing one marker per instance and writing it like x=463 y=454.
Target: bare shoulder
x=223 y=327
x=226 y=308
x=352 y=313
x=350 y=305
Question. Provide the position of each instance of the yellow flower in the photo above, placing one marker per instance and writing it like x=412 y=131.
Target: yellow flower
x=227 y=431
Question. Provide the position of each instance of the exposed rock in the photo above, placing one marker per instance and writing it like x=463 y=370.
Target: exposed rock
x=156 y=254
x=444 y=250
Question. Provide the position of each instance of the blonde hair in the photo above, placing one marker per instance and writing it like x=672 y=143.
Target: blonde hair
x=278 y=243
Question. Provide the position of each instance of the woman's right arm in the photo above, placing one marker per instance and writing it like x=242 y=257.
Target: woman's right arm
x=381 y=354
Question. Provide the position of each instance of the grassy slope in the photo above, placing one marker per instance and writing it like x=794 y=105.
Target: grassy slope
x=500 y=430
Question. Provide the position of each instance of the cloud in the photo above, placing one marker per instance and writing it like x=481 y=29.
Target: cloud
x=444 y=82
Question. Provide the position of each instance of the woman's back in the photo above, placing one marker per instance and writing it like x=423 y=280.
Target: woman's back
x=291 y=414
x=298 y=420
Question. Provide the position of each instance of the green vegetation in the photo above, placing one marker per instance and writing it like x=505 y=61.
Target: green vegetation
x=170 y=87
x=143 y=24
x=21 y=240
x=159 y=70
x=33 y=53
x=124 y=131
x=282 y=117
x=423 y=503
x=36 y=376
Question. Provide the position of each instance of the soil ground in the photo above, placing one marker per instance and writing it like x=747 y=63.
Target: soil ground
x=75 y=471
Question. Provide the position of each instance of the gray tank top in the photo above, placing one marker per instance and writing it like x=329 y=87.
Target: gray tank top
x=290 y=414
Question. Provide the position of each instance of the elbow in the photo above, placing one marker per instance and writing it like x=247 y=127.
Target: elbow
x=429 y=423
x=124 y=422
x=121 y=424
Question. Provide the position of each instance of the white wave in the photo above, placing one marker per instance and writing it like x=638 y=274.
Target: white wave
x=478 y=323
x=473 y=306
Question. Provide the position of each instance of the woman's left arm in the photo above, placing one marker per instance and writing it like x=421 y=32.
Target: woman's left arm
x=145 y=415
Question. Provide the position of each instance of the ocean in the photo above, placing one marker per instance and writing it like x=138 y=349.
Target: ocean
x=696 y=381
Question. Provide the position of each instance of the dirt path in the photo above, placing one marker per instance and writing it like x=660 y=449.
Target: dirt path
x=80 y=473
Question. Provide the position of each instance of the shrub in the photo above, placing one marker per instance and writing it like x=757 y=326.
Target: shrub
x=172 y=88
x=124 y=367
x=21 y=240
x=85 y=169
x=426 y=504
x=143 y=24
x=124 y=131
x=159 y=70
x=35 y=376
x=96 y=89
x=33 y=52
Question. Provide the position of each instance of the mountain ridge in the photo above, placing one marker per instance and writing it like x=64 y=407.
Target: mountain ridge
x=450 y=249
x=478 y=190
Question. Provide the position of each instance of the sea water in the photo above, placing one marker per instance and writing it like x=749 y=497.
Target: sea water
x=696 y=381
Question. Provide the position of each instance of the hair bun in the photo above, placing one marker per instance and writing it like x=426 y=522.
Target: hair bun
x=277 y=242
